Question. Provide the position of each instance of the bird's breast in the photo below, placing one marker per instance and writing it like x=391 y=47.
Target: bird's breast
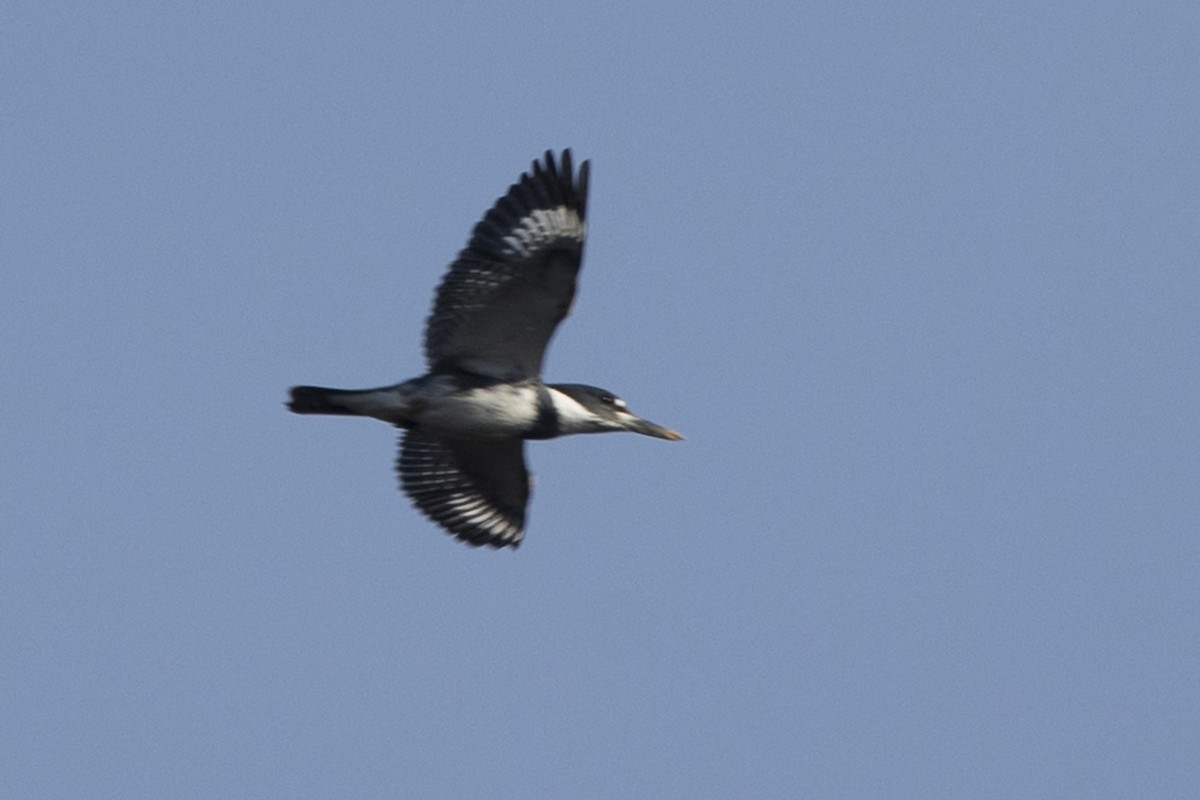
x=494 y=411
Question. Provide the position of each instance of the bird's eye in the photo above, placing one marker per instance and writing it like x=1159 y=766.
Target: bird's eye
x=615 y=402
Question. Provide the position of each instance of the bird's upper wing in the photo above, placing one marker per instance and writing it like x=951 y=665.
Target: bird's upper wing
x=475 y=489
x=499 y=304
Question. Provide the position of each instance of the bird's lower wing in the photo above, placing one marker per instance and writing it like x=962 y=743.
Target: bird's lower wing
x=476 y=490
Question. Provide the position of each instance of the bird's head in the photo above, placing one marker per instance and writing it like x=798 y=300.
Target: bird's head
x=588 y=409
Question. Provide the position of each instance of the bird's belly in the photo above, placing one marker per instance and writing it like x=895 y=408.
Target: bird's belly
x=482 y=413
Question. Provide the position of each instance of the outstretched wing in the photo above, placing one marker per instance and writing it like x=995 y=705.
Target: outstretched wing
x=475 y=489
x=499 y=304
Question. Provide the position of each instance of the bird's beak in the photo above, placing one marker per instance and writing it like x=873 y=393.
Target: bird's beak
x=648 y=428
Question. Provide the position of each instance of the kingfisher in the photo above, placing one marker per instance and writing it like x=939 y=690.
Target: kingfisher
x=465 y=422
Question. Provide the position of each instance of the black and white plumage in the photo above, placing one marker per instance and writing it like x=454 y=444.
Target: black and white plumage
x=465 y=422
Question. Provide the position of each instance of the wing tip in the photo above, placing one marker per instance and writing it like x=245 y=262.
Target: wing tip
x=492 y=541
x=559 y=173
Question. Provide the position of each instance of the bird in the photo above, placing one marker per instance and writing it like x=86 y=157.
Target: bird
x=465 y=422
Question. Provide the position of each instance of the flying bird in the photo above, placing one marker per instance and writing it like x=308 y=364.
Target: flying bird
x=465 y=422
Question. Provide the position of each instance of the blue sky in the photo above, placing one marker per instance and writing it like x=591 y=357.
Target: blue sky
x=917 y=281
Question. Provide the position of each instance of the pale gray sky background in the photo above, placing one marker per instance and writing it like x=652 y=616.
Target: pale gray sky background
x=918 y=281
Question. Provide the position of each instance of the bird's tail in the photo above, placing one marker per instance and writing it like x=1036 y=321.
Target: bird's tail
x=319 y=400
